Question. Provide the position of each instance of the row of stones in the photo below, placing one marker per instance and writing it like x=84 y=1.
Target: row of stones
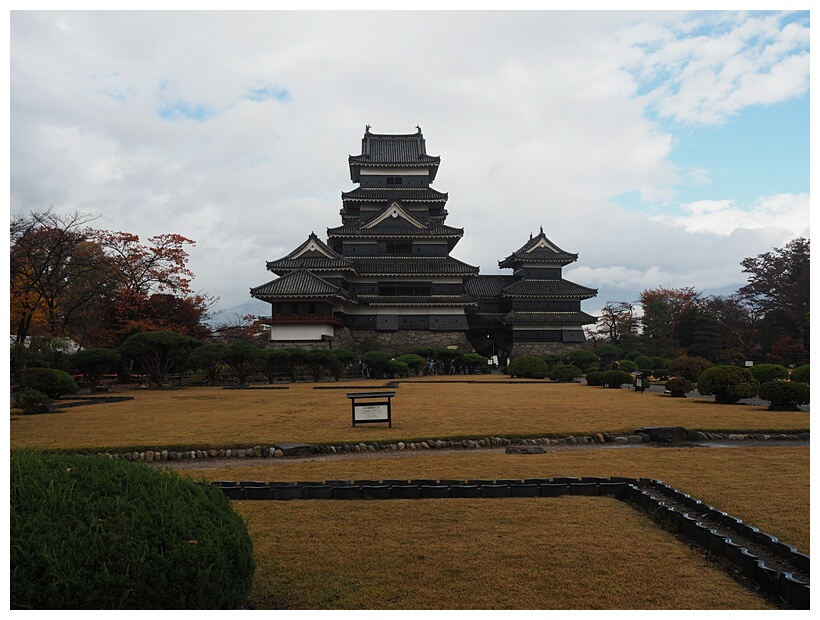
x=150 y=456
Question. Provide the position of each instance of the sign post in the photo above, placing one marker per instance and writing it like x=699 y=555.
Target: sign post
x=375 y=408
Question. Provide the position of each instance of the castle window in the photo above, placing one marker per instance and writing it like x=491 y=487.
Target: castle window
x=398 y=247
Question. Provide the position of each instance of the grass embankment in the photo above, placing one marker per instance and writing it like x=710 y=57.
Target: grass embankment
x=214 y=417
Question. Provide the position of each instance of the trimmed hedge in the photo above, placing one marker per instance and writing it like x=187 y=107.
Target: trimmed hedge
x=769 y=372
x=728 y=384
x=784 y=395
x=32 y=401
x=800 y=374
x=527 y=366
x=595 y=378
x=50 y=381
x=564 y=373
x=688 y=367
x=679 y=387
x=93 y=533
x=627 y=366
x=615 y=378
x=661 y=373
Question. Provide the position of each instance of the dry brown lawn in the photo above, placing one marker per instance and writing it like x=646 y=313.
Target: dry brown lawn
x=573 y=552
x=566 y=553
x=214 y=417
x=766 y=487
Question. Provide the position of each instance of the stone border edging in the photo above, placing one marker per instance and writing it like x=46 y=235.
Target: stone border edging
x=301 y=450
x=638 y=492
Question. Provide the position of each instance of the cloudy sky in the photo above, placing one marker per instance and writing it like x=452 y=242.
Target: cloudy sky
x=662 y=147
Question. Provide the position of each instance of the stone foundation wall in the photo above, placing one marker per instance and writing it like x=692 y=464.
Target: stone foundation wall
x=403 y=341
x=544 y=348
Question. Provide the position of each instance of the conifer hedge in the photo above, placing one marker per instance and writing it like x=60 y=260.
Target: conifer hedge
x=94 y=533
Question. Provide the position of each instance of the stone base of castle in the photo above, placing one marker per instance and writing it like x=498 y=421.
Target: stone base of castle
x=543 y=348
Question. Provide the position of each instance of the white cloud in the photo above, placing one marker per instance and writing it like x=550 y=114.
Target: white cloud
x=730 y=61
x=536 y=116
x=789 y=212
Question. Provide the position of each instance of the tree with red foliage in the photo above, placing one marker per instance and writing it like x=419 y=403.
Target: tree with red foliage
x=95 y=286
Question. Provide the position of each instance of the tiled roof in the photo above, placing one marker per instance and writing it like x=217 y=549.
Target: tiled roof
x=427 y=300
x=311 y=263
x=539 y=249
x=446 y=265
x=300 y=283
x=380 y=194
x=406 y=232
x=487 y=286
x=393 y=150
x=547 y=288
x=517 y=317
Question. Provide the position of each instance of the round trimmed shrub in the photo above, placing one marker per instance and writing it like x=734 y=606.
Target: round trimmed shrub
x=595 y=378
x=679 y=387
x=628 y=365
x=92 y=533
x=728 y=384
x=615 y=378
x=608 y=352
x=769 y=372
x=643 y=361
x=551 y=359
x=688 y=367
x=414 y=362
x=581 y=359
x=525 y=366
x=800 y=374
x=661 y=373
x=50 y=381
x=784 y=395
x=564 y=373
x=31 y=401
x=659 y=362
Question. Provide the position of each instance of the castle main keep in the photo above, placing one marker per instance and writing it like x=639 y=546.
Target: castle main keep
x=385 y=278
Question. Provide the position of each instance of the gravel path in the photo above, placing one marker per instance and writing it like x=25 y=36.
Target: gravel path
x=225 y=463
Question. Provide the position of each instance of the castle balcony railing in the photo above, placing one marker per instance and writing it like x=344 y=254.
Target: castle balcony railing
x=301 y=319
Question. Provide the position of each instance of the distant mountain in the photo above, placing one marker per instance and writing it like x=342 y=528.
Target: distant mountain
x=252 y=306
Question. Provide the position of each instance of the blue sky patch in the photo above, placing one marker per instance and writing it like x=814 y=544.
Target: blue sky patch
x=266 y=93
x=176 y=110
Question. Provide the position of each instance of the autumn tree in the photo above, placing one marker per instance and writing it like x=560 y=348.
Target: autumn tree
x=778 y=287
x=56 y=272
x=617 y=325
x=154 y=291
x=97 y=287
x=665 y=310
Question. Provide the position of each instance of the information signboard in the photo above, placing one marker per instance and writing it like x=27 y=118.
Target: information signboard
x=375 y=408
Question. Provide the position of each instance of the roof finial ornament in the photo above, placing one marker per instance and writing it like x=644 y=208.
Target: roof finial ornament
x=367 y=128
x=542 y=229
x=530 y=235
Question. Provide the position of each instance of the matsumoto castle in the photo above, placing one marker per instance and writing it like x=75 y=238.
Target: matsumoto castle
x=385 y=279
